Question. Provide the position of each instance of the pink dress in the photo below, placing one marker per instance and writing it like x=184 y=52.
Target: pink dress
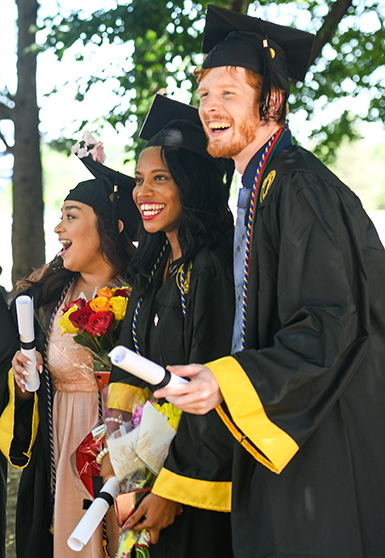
x=75 y=414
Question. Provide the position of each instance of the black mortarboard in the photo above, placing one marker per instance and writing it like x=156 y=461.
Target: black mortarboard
x=109 y=192
x=234 y=39
x=175 y=124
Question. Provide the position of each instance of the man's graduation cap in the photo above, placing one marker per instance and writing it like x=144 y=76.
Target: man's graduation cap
x=109 y=192
x=175 y=124
x=273 y=51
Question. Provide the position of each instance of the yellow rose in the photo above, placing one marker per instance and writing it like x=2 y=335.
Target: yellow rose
x=118 y=306
x=65 y=324
x=105 y=292
x=100 y=304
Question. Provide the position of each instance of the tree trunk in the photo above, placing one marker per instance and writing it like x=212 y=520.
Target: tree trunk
x=239 y=6
x=28 y=209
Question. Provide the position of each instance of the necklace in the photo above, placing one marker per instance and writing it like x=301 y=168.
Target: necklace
x=184 y=286
x=136 y=313
x=171 y=267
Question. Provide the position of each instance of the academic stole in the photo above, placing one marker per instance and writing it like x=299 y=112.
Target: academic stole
x=267 y=156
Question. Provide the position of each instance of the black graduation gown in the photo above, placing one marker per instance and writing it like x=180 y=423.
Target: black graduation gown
x=305 y=399
x=8 y=341
x=34 y=504
x=192 y=473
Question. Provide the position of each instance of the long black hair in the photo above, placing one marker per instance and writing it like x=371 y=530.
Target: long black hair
x=206 y=218
x=54 y=276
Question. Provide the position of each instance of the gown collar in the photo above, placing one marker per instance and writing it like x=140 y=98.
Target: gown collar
x=248 y=177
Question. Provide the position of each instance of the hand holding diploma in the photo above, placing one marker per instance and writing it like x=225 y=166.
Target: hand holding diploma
x=24 y=310
x=197 y=397
x=94 y=515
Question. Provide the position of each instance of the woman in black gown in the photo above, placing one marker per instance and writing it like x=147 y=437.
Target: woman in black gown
x=181 y=310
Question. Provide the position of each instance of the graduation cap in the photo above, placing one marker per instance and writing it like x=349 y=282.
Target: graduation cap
x=175 y=124
x=109 y=192
x=273 y=51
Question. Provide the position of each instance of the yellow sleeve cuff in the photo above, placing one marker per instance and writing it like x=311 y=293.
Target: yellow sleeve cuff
x=7 y=426
x=123 y=396
x=208 y=495
x=251 y=426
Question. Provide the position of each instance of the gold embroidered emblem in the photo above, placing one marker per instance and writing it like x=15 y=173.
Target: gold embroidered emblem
x=186 y=279
x=266 y=185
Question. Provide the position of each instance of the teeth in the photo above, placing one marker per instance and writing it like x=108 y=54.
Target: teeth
x=219 y=125
x=152 y=206
x=149 y=209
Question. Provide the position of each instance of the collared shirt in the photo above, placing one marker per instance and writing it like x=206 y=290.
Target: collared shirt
x=244 y=196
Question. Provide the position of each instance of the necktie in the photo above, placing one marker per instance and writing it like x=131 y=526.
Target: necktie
x=244 y=196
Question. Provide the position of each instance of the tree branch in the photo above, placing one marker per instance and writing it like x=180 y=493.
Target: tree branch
x=6 y=112
x=329 y=27
x=239 y=6
x=8 y=148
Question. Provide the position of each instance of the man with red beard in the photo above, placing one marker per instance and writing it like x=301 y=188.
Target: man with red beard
x=302 y=392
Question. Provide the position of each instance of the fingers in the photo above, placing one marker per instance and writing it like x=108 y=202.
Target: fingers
x=19 y=362
x=190 y=371
x=154 y=534
x=199 y=396
x=154 y=514
x=18 y=368
x=137 y=516
x=173 y=391
x=39 y=360
x=190 y=404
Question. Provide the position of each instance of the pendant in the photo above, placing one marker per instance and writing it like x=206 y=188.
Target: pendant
x=156 y=320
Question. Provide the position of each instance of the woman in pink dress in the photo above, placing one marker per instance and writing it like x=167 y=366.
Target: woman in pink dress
x=96 y=231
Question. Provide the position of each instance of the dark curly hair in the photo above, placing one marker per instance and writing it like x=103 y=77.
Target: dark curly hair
x=206 y=217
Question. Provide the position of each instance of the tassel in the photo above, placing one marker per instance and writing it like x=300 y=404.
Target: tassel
x=270 y=80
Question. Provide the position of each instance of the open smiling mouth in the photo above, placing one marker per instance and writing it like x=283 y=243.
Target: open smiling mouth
x=217 y=127
x=66 y=244
x=151 y=210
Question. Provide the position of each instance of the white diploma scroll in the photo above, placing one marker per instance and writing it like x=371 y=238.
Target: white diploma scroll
x=94 y=515
x=24 y=310
x=143 y=368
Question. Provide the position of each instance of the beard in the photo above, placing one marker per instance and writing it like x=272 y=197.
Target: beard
x=246 y=132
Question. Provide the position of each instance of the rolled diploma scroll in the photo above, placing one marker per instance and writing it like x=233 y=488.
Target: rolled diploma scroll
x=24 y=310
x=143 y=368
x=94 y=515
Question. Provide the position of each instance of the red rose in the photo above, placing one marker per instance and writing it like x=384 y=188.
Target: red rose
x=100 y=323
x=122 y=292
x=80 y=303
x=80 y=318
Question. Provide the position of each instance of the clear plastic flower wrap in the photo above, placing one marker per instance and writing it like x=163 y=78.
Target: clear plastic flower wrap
x=87 y=332
x=139 y=433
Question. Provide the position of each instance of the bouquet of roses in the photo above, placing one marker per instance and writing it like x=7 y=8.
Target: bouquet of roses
x=97 y=323
x=139 y=433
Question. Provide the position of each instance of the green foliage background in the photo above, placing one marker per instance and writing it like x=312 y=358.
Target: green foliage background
x=165 y=38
